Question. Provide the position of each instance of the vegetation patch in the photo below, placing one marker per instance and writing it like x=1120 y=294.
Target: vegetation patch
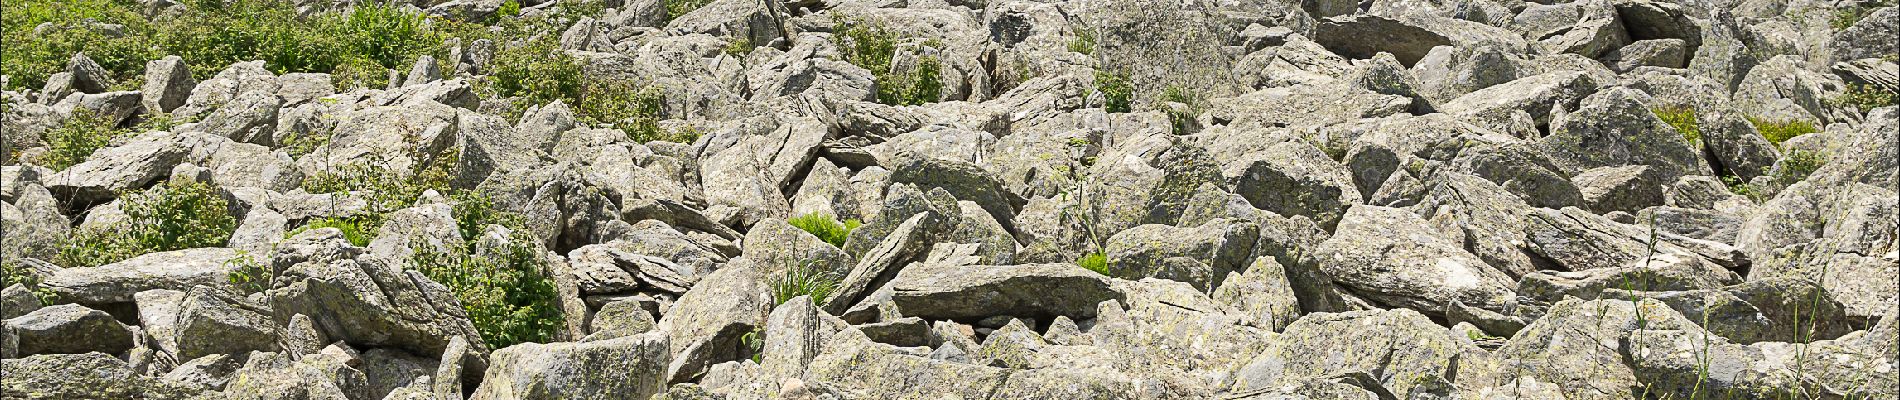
x=1780 y=131
x=802 y=280
x=1117 y=94
x=872 y=46
x=1684 y=120
x=352 y=230
x=1866 y=97
x=176 y=215
x=825 y=227
x=1798 y=164
x=1097 y=262
x=77 y=138
x=501 y=282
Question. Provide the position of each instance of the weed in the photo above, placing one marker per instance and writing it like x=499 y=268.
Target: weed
x=825 y=227
x=677 y=8
x=871 y=46
x=739 y=47
x=1117 y=94
x=1866 y=97
x=176 y=215
x=1190 y=106
x=351 y=228
x=1780 y=131
x=1684 y=120
x=1084 y=42
x=802 y=280
x=12 y=273
x=1097 y=262
x=1798 y=165
x=77 y=138
x=754 y=342
x=1737 y=186
x=247 y=273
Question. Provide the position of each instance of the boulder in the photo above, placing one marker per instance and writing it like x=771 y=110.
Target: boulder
x=626 y=367
x=81 y=376
x=1295 y=179
x=167 y=84
x=705 y=325
x=1201 y=256
x=117 y=282
x=363 y=300
x=1403 y=350
x=1389 y=255
x=69 y=329
x=944 y=291
x=1615 y=128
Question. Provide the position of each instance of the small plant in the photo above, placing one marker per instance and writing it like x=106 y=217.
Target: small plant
x=77 y=138
x=802 y=280
x=12 y=273
x=739 y=47
x=1737 y=186
x=1191 y=105
x=677 y=8
x=1684 y=120
x=503 y=286
x=1780 y=131
x=247 y=273
x=1084 y=42
x=1117 y=94
x=352 y=230
x=1866 y=97
x=383 y=189
x=508 y=8
x=1097 y=262
x=754 y=342
x=825 y=227
x=175 y=216
x=871 y=46
x=1798 y=165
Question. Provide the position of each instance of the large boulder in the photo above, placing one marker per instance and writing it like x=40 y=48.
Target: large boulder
x=1201 y=256
x=117 y=282
x=706 y=324
x=81 y=376
x=1405 y=352
x=1616 y=128
x=133 y=165
x=1390 y=256
x=364 y=300
x=947 y=291
x=1295 y=179
x=68 y=329
x=630 y=367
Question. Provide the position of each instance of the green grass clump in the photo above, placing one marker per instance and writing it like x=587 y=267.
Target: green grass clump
x=1097 y=262
x=1798 y=165
x=352 y=230
x=871 y=46
x=825 y=227
x=1780 y=131
x=1084 y=42
x=176 y=216
x=1180 y=119
x=77 y=138
x=1117 y=94
x=504 y=286
x=1683 y=119
x=802 y=280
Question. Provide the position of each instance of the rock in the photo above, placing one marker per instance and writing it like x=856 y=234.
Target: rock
x=88 y=76
x=35 y=224
x=1776 y=309
x=1295 y=180
x=709 y=320
x=133 y=165
x=1173 y=334
x=1262 y=295
x=965 y=181
x=363 y=300
x=1201 y=256
x=1565 y=347
x=1678 y=361
x=1388 y=256
x=1538 y=95
x=627 y=367
x=330 y=374
x=1735 y=147
x=428 y=227
x=1406 y=352
x=234 y=80
x=1872 y=36
x=794 y=333
x=167 y=84
x=249 y=118
x=1361 y=37
x=1147 y=181
x=1447 y=73
x=73 y=376
x=1666 y=53
x=1576 y=240
x=939 y=291
x=777 y=248
x=213 y=322
x=117 y=282
x=69 y=329
x=852 y=362
x=208 y=373
x=1628 y=188
x=1598 y=30
x=881 y=263
x=1615 y=128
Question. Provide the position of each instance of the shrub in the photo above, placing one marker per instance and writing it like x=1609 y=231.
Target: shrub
x=802 y=280
x=739 y=47
x=1117 y=94
x=1683 y=119
x=352 y=230
x=1780 y=131
x=1737 y=186
x=1866 y=97
x=383 y=189
x=12 y=273
x=871 y=46
x=504 y=285
x=540 y=73
x=1798 y=165
x=76 y=139
x=825 y=227
x=175 y=216
x=32 y=54
x=247 y=273
x=1097 y=262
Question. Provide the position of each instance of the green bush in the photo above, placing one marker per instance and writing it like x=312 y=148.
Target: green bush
x=871 y=46
x=30 y=57
x=1798 y=165
x=1780 y=131
x=383 y=189
x=1683 y=119
x=676 y=8
x=825 y=227
x=1097 y=262
x=1117 y=94
x=76 y=138
x=175 y=216
x=540 y=73
x=1866 y=97
x=352 y=230
x=504 y=287
x=802 y=280
x=247 y=273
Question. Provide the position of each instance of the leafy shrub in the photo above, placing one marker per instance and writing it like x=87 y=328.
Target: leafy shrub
x=12 y=273
x=871 y=46
x=383 y=189
x=32 y=54
x=1117 y=94
x=503 y=287
x=352 y=230
x=802 y=280
x=77 y=138
x=825 y=227
x=540 y=73
x=247 y=273
x=1866 y=97
x=175 y=216
x=739 y=47
x=1737 y=186
x=1097 y=262
x=1683 y=119
x=1780 y=131
x=676 y=8
x=1798 y=165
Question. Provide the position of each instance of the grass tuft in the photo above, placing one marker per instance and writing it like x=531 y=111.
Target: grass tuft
x=1097 y=262
x=825 y=227
x=1684 y=120
x=1780 y=131
x=802 y=280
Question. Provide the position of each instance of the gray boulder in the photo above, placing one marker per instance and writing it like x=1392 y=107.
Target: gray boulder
x=363 y=300
x=706 y=324
x=1615 y=128
x=1201 y=256
x=1295 y=179
x=945 y=291
x=1404 y=351
x=168 y=83
x=1390 y=256
x=69 y=329
x=215 y=322
x=628 y=367
x=81 y=376
x=1626 y=188
x=135 y=164
x=118 y=282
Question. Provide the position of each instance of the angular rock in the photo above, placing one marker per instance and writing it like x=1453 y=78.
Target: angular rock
x=1405 y=352
x=1295 y=179
x=1627 y=188
x=80 y=376
x=118 y=282
x=706 y=324
x=1201 y=256
x=940 y=291
x=628 y=367
x=168 y=83
x=1388 y=255
x=69 y=329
